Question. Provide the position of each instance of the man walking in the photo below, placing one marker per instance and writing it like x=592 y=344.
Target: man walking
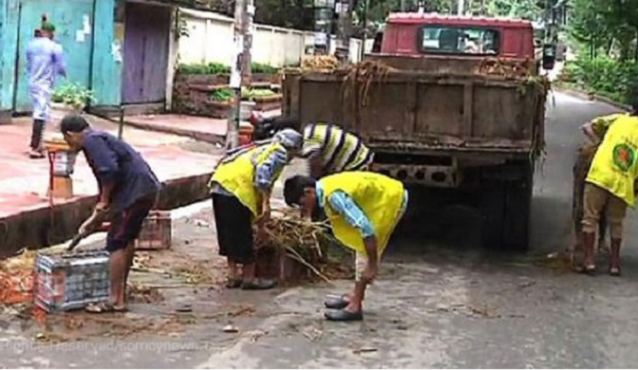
x=363 y=209
x=45 y=60
x=610 y=183
x=128 y=191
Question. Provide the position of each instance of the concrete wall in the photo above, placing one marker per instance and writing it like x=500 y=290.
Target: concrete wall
x=211 y=40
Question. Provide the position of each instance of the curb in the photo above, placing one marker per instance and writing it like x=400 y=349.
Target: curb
x=197 y=135
x=43 y=226
x=581 y=94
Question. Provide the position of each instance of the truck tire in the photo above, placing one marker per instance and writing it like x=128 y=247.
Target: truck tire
x=505 y=208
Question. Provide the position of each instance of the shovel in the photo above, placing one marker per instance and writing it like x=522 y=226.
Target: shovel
x=93 y=220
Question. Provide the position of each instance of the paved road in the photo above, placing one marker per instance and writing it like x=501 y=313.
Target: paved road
x=440 y=301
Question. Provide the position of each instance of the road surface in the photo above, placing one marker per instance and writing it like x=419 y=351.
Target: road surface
x=439 y=302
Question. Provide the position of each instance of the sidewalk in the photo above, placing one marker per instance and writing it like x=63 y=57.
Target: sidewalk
x=210 y=130
x=26 y=220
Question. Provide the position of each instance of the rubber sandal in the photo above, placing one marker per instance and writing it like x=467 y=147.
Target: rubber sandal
x=336 y=303
x=233 y=283
x=101 y=308
x=343 y=315
x=588 y=270
x=258 y=285
x=614 y=271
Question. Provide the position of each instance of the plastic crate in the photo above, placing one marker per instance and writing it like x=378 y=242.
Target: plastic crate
x=156 y=233
x=71 y=281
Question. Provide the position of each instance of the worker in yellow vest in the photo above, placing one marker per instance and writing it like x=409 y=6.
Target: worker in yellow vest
x=611 y=183
x=363 y=209
x=241 y=187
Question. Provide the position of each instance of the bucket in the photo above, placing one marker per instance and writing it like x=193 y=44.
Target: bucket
x=246 y=130
x=246 y=108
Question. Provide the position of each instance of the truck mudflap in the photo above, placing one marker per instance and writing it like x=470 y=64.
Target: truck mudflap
x=440 y=176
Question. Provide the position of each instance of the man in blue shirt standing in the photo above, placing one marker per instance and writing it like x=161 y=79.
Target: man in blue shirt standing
x=45 y=60
x=128 y=191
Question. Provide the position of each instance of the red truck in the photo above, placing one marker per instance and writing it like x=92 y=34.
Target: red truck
x=460 y=107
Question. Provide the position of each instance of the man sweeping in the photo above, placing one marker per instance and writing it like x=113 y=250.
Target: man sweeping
x=363 y=209
x=611 y=183
x=45 y=61
x=128 y=191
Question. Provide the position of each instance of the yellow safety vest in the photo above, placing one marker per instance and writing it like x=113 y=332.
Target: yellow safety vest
x=379 y=197
x=614 y=167
x=340 y=150
x=238 y=176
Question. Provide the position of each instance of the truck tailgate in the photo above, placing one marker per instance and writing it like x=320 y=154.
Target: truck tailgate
x=423 y=110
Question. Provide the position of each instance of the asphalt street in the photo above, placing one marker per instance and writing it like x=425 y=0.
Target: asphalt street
x=439 y=302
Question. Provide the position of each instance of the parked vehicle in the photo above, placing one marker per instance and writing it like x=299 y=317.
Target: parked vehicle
x=448 y=114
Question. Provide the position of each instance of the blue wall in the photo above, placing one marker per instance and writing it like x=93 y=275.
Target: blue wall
x=84 y=51
x=8 y=36
x=107 y=66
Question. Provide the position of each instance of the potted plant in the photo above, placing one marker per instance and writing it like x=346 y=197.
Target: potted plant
x=70 y=98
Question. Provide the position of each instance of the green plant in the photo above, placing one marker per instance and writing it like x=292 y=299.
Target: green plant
x=603 y=75
x=251 y=94
x=263 y=68
x=219 y=68
x=222 y=95
x=74 y=95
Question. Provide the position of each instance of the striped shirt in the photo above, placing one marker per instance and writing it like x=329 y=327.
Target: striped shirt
x=344 y=205
x=339 y=150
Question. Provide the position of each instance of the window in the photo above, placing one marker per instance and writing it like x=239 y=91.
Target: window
x=459 y=40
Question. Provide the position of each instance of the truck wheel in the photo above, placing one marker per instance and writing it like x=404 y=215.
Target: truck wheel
x=505 y=208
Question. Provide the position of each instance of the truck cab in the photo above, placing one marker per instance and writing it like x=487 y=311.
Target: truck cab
x=433 y=34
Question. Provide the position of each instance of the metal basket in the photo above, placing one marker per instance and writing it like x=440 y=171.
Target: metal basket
x=71 y=281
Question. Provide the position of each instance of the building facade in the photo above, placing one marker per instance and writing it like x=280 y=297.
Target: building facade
x=124 y=51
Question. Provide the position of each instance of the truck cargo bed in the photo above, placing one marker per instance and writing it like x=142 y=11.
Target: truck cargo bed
x=408 y=110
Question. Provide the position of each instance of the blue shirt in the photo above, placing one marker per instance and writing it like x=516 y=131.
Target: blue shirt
x=116 y=162
x=45 y=60
x=344 y=205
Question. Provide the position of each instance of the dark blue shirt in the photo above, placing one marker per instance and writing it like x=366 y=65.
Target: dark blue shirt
x=115 y=162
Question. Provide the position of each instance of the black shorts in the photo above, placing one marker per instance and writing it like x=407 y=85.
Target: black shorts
x=127 y=224
x=233 y=221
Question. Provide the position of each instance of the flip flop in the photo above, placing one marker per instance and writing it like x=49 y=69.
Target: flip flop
x=614 y=271
x=588 y=270
x=233 y=283
x=343 y=315
x=336 y=302
x=100 y=308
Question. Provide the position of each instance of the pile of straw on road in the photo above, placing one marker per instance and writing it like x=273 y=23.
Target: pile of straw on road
x=304 y=241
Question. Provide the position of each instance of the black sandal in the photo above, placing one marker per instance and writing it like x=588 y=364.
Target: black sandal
x=233 y=283
x=614 y=271
x=588 y=270
x=336 y=303
x=343 y=315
